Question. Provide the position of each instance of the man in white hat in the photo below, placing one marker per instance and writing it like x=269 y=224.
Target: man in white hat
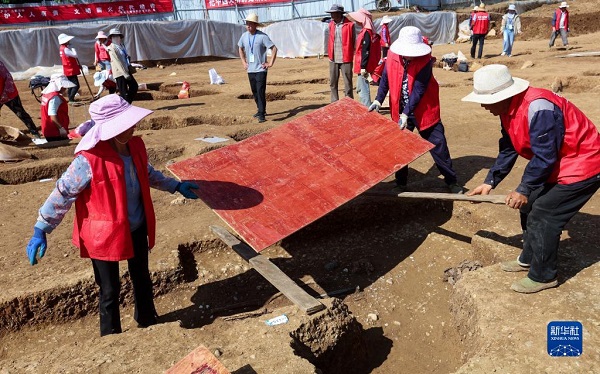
x=121 y=68
x=415 y=100
x=252 y=48
x=563 y=172
x=480 y=26
x=340 y=51
x=560 y=25
x=70 y=63
x=54 y=110
x=384 y=34
x=511 y=27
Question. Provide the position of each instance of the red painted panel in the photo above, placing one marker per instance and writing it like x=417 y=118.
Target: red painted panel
x=273 y=184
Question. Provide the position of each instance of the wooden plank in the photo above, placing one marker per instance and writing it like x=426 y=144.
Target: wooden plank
x=200 y=360
x=270 y=272
x=494 y=199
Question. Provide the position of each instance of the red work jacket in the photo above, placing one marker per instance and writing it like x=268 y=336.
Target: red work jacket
x=579 y=156
x=101 y=227
x=481 y=22
x=49 y=129
x=347 y=40
x=557 y=15
x=427 y=111
x=70 y=64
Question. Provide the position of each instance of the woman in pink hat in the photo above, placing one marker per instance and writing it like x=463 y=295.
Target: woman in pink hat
x=363 y=62
x=101 y=57
x=109 y=181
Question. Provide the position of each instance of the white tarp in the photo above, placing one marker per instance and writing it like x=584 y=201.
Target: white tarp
x=298 y=38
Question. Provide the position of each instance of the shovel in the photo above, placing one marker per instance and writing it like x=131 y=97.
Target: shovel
x=85 y=79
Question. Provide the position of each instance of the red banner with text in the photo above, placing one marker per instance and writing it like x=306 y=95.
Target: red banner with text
x=76 y=12
x=215 y=4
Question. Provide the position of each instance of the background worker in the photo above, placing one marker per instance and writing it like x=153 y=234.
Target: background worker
x=480 y=26
x=384 y=33
x=563 y=172
x=252 y=48
x=560 y=25
x=101 y=57
x=54 y=109
x=70 y=63
x=109 y=181
x=511 y=27
x=362 y=54
x=415 y=100
x=340 y=50
x=121 y=69
x=9 y=96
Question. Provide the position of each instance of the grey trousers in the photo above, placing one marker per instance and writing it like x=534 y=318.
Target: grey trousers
x=563 y=34
x=334 y=76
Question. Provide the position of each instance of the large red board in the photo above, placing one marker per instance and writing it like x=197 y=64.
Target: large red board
x=273 y=184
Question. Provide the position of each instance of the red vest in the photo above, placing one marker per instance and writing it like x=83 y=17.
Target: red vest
x=49 y=129
x=557 y=14
x=579 y=156
x=347 y=40
x=481 y=23
x=101 y=227
x=373 y=57
x=427 y=111
x=70 y=64
x=385 y=35
x=101 y=52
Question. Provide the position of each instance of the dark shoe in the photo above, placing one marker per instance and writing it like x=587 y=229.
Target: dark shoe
x=456 y=188
x=514 y=266
x=261 y=119
x=526 y=285
x=399 y=189
x=257 y=115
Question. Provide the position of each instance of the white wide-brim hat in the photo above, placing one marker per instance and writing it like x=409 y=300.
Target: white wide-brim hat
x=386 y=19
x=64 y=38
x=57 y=81
x=410 y=43
x=493 y=84
x=112 y=116
x=101 y=35
x=253 y=17
x=563 y=5
x=512 y=7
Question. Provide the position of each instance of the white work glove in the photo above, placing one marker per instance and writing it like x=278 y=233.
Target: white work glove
x=62 y=132
x=364 y=73
x=376 y=105
x=403 y=121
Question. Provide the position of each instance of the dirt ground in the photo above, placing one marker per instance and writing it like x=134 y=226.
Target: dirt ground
x=384 y=258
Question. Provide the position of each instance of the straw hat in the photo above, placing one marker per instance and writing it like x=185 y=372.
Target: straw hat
x=386 y=19
x=57 y=81
x=481 y=6
x=563 y=5
x=64 y=38
x=335 y=8
x=112 y=116
x=410 y=43
x=101 y=35
x=253 y=17
x=476 y=9
x=494 y=83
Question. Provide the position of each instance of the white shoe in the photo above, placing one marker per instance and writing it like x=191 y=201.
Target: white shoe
x=503 y=54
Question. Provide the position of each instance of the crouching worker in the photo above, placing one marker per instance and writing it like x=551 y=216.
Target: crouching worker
x=563 y=172
x=109 y=181
x=54 y=111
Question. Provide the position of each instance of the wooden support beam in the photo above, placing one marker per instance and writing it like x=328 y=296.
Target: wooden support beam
x=270 y=272
x=494 y=199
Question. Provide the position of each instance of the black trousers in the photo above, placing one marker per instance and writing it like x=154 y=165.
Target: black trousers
x=73 y=90
x=128 y=88
x=17 y=107
x=548 y=210
x=258 y=85
x=106 y=274
x=477 y=38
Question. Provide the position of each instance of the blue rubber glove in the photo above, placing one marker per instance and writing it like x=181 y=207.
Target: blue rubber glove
x=37 y=242
x=185 y=188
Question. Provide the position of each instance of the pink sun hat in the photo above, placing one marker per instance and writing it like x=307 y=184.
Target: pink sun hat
x=111 y=115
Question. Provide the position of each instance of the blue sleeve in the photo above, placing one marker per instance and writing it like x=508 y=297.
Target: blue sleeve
x=74 y=180
x=384 y=88
x=546 y=133
x=507 y=156
x=419 y=86
x=553 y=19
x=159 y=181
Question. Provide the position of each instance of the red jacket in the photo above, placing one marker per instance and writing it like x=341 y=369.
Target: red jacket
x=556 y=18
x=70 y=64
x=347 y=40
x=101 y=52
x=49 y=129
x=579 y=156
x=481 y=23
x=427 y=111
x=385 y=35
x=101 y=227
x=358 y=57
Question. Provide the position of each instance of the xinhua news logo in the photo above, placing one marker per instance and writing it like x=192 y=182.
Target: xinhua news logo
x=565 y=339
